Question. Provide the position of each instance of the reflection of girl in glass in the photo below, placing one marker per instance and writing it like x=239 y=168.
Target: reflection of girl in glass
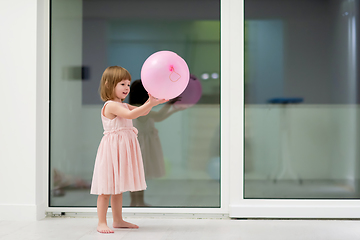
x=148 y=136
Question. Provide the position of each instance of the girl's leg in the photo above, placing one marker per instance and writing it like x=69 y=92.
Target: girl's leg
x=102 y=207
x=116 y=205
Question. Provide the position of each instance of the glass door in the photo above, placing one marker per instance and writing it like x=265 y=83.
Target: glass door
x=301 y=108
x=183 y=171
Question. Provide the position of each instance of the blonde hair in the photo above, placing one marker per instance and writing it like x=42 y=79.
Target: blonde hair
x=112 y=76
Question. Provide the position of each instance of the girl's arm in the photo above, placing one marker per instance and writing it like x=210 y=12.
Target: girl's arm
x=131 y=107
x=114 y=109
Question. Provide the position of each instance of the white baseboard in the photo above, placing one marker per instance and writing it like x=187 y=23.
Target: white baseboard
x=41 y=211
x=22 y=212
x=297 y=209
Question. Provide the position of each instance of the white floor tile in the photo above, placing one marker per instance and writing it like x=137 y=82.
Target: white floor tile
x=66 y=228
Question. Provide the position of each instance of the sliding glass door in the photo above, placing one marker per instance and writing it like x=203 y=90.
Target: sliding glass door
x=301 y=125
x=183 y=171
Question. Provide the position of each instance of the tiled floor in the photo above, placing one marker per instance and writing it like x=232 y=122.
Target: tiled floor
x=183 y=229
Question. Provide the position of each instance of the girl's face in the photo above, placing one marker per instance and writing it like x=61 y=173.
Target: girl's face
x=122 y=89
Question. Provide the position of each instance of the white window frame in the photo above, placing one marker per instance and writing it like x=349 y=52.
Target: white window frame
x=232 y=132
x=239 y=207
x=43 y=130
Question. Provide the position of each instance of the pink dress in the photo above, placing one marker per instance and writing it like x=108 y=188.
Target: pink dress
x=118 y=165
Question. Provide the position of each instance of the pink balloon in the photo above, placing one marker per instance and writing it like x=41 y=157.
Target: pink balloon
x=165 y=75
x=191 y=94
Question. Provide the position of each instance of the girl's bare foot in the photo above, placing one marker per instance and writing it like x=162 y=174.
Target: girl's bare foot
x=124 y=224
x=103 y=228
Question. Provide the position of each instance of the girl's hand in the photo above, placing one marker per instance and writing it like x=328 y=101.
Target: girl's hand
x=154 y=101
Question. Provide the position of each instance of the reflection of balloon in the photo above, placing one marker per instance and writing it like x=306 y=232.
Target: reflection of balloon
x=192 y=93
x=165 y=75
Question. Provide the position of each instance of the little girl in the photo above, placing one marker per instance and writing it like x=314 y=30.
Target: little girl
x=118 y=165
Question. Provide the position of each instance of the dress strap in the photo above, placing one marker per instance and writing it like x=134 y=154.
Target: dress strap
x=102 y=109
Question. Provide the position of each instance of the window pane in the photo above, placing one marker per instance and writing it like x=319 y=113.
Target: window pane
x=301 y=81
x=88 y=36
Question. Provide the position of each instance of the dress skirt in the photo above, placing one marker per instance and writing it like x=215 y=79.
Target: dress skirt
x=118 y=165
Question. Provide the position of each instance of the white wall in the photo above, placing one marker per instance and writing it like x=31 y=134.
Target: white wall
x=22 y=162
